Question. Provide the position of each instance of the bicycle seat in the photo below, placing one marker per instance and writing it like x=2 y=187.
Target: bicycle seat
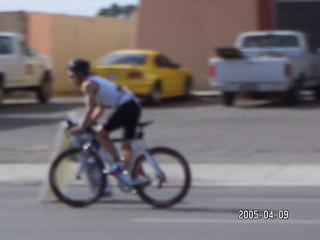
x=144 y=123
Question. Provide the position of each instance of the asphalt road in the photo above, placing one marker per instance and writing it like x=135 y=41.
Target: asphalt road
x=206 y=214
x=203 y=130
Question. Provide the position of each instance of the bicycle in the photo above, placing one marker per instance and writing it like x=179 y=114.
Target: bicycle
x=160 y=176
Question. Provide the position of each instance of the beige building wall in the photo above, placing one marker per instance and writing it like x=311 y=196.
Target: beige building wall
x=65 y=37
x=88 y=38
x=189 y=31
x=13 y=22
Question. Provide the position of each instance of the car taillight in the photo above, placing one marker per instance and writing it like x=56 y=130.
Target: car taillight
x=135 y=74
x=288 y=70
x=212 y=70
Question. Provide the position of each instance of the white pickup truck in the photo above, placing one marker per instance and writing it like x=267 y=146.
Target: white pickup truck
x=22 y=68
x=264 y=64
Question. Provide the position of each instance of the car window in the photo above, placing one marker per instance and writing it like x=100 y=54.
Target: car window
x=5 y=46
x=124 y=58
x=270 y=41
x=25 y=49
x=162 y=61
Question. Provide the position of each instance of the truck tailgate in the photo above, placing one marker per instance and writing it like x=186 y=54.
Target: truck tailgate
x=256 y=70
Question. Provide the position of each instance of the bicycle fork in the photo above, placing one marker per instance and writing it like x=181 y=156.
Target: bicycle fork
x=88 y=166
x=154 y=164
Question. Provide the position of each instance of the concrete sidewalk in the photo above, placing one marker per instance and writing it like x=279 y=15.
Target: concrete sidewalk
x=203 y=174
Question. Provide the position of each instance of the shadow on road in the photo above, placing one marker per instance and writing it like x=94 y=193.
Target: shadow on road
x=10 y=123
x=306 y=104
x=182 y=103
x=208 y=210
x=126 y=204
x=25 y=113
x=30 y=108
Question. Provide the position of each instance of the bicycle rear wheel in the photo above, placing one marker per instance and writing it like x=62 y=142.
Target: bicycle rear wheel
x=76 y=177
x=163 y=192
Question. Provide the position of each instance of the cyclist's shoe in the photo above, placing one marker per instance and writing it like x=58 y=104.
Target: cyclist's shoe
x=115 y=168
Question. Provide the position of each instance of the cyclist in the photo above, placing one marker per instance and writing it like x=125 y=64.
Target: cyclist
x=100 y=93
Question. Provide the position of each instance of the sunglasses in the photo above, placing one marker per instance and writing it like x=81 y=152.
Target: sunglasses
x=71 y=75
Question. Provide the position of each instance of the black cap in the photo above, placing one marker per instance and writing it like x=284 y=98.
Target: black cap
x=79 y=65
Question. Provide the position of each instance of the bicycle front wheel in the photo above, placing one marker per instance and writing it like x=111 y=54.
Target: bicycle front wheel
x=170 y=179
x=76 y=177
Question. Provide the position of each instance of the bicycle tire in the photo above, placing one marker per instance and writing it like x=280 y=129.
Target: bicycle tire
x=175 y=166
x=70 y=194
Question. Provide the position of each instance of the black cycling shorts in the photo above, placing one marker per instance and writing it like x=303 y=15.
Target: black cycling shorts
x=126 y=116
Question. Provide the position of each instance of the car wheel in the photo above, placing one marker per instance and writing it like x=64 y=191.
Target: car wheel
x=45 y=89
x=188 y=86
x=155 y=95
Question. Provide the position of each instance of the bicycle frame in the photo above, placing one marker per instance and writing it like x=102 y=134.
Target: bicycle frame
x=138 y=148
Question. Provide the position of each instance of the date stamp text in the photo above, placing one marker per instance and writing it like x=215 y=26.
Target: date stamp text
x=255 y=214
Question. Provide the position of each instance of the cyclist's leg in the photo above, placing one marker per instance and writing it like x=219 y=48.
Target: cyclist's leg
x=127 y=116
x=102 y=134
x=107 y=144
x=116 y=120
x=130 y=125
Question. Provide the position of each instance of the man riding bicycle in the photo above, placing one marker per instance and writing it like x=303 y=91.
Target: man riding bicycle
x=100 y=93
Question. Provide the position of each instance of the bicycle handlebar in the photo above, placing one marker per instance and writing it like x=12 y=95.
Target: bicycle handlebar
x=71 y=123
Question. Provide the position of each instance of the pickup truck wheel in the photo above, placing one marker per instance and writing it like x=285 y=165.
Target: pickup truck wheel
x=316 y=92
x=228 y=98
x=45 y=89
x=294 y=96
x=1 y=88
x=1 y=96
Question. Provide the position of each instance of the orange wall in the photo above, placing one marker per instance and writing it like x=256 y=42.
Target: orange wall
x=39 y=30
x=189 y=30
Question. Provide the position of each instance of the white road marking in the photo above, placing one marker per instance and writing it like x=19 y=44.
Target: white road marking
x=223 y=221
x=270 y=200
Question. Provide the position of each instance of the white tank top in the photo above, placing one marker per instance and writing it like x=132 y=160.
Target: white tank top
x=110 y=94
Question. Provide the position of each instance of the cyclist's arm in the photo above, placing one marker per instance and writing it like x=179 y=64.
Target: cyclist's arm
x=89 y=90
x=98 y=111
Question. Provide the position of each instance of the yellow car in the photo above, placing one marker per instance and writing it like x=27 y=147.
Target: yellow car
x=146 y=73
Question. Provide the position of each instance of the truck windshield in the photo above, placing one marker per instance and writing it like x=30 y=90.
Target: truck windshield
x=5 y=46
x=124 y=58
x=267 y=41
